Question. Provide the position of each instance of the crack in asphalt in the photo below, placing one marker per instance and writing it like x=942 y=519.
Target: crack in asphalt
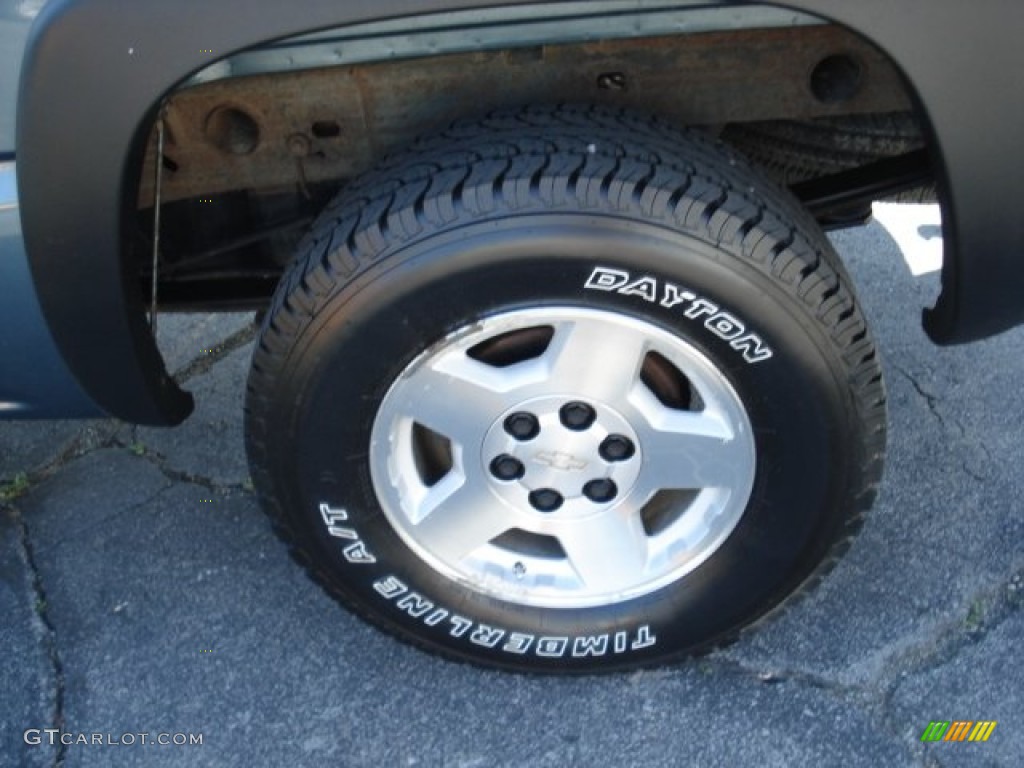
x=89 y=440
x=778 y=675
x=79 y=446
x=863 y=696
x=202 y=364
x=988 y=608
x=47 y=629
x=933 y=401
x=928 y=397
x=163 y=465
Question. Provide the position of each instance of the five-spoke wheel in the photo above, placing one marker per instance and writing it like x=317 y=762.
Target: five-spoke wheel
x=568 y=471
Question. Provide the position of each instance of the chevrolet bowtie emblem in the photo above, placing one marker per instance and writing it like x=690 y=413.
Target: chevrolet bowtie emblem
x=558 y=460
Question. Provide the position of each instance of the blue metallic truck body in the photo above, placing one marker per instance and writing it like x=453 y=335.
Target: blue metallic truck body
x=74 y=337
x=34 y=380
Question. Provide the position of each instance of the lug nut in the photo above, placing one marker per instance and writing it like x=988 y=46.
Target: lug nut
x=616 y=448
x=577 y=416
x=600 y=490
x=546 y=499
x=506 y=467
x=522 y=425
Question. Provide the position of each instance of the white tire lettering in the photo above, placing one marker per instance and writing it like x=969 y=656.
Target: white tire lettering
x=722 y=324
x=486 y=636
x=590 y=645
x=621 y=642
x=389 y=587
x=552 y=647
x=343 y=533
x=673 y=295
x=700 y=307
x=517 y=643
x=605 y=279
x=415 y=605
x=436 y=617
x=332 y=517
x=459 y=625
x=752 y=348
x=644 y=638
x=645 y=286
x=357 y=553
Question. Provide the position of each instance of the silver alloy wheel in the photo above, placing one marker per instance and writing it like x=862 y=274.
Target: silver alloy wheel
x=562 y=457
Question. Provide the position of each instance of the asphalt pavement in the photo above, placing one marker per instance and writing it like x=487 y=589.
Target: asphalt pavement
x=142 y=592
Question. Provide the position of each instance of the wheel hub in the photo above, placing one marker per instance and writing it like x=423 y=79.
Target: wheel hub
x=578 y=458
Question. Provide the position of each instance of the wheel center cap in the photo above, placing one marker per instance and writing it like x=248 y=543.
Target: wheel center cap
x=561 y=455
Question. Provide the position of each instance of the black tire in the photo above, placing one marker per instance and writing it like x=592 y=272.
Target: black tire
x=515 y=212
x=792 y=151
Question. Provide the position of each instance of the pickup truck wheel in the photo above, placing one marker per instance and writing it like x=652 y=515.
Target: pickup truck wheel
x=565 y=390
